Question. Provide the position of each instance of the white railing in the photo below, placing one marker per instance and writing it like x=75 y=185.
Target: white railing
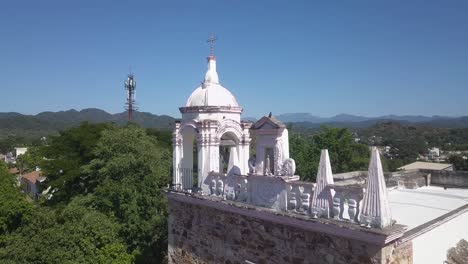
x=300 y=196
x=345 y=205
x=233 y=188
x=347 y=202
x=186 y=178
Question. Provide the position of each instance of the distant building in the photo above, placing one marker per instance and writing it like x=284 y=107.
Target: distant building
x=10 y=158
x=433 y=153
x=20 y=151
x=31 y=181
x=419 y=165
x=13 y=170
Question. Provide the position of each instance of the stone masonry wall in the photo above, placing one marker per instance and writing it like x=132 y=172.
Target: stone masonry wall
x=202 y=234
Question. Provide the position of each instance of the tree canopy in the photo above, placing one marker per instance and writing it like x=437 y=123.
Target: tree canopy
x=14 y=209
x=105 y=204
x=74 y=234
x=345 y=153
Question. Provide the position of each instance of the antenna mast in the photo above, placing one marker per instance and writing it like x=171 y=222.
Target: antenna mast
x=130 y=86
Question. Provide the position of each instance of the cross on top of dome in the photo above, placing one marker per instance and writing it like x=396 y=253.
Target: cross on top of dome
x=211 y=93
x=211 y=40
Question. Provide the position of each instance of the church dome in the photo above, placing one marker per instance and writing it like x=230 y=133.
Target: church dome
x=211 y=93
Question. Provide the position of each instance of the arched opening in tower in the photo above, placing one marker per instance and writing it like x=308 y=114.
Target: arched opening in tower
x=228 y=153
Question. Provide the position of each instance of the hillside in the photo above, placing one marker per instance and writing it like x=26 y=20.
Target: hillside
x=47 y=123
x=352 y=121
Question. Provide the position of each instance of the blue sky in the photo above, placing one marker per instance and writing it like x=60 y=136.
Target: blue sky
x=322 y=57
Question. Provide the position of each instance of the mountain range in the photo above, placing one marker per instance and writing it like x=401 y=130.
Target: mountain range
x=346 y=118
x=46 y=123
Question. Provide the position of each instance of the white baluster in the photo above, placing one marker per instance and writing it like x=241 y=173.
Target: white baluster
x=336 y=207
x=352 y=209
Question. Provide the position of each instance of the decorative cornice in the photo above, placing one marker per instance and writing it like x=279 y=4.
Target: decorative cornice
x=210 y=109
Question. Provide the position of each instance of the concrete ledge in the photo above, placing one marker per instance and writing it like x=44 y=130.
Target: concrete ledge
x=379 y=237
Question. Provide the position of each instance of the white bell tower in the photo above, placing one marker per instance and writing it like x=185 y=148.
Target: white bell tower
x=210 y=122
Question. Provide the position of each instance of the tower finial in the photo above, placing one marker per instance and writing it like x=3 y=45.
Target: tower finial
x=211 y=75
x=211 y=40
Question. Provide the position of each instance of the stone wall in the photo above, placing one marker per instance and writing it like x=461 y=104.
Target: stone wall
x=448 y=178
x=204 y=234
x=411 y=179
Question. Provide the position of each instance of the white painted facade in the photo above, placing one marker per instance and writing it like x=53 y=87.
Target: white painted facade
x=272 y=144
x=20 y=151
x=210 y=120
x=211 y=127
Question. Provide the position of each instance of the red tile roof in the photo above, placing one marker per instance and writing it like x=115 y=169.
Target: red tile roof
x=32 y=176
x=13 y=170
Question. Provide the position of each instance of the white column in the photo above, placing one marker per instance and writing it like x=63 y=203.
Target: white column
x=244 y=158
x=214 y=157
x=244 y=148
x=176 y=155
x=260 y=159
x=234 y=159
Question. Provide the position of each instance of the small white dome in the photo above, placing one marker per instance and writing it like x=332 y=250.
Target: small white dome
x=211 y=94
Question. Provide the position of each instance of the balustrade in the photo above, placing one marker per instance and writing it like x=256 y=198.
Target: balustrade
x=298 y=197
x=186 y=178
x=346 y=202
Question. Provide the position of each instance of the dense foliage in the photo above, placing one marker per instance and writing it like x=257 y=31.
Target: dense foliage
x=459 y=162
x=345 y=153
x=74 y=234
x=14 y=209
x=65 y=155
x=407 y=142
x=105 y=203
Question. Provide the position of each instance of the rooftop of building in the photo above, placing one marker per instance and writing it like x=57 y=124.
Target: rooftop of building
x=13 y=170
x=33 y=176
x=414 y=207
x=426 y=166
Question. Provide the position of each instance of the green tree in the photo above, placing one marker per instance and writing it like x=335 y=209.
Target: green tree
x=29 y=160
x=131 y=168
x=459 y=162
x=345 y=153
x=75 y=234
x=14 y=209
x=304 y=154
x=65 y=155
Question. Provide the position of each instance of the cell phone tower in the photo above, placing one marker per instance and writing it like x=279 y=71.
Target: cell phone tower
x=130 y=105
